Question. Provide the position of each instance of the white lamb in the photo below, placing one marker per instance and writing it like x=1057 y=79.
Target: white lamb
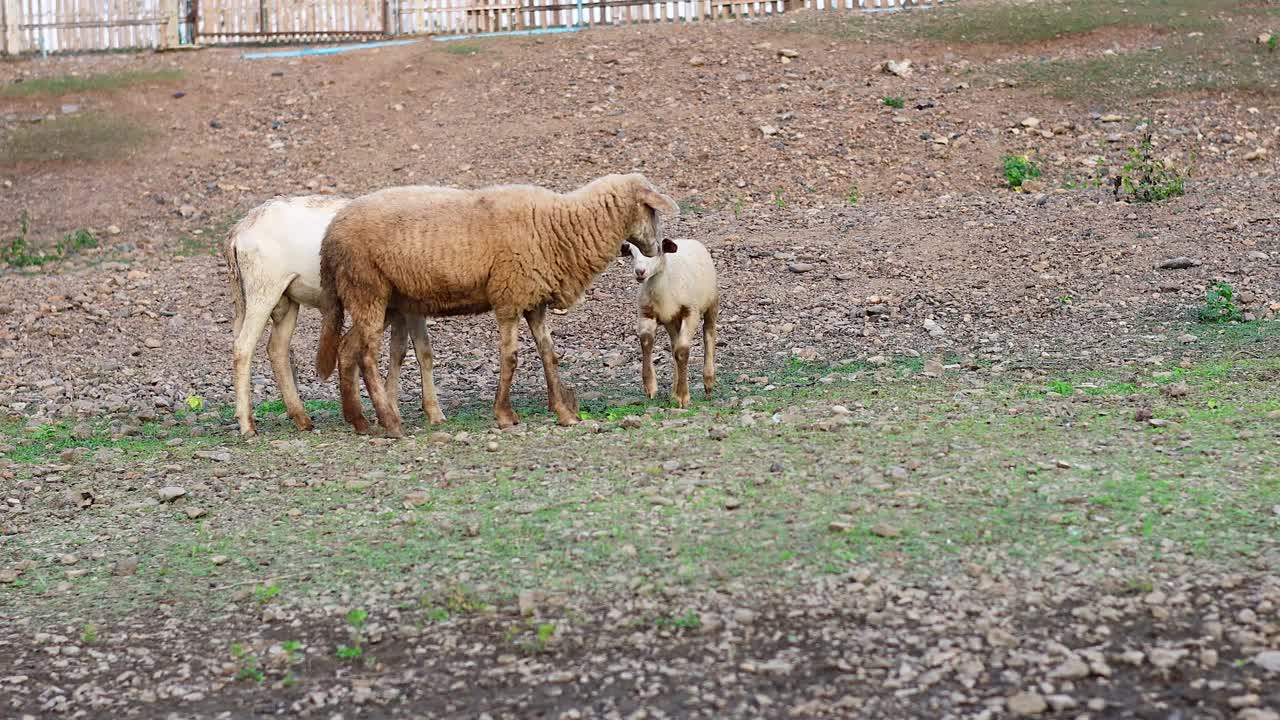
x=273 y=260
x=677 y=286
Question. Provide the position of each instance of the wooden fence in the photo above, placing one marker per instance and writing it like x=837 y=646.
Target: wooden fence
x=55 y=26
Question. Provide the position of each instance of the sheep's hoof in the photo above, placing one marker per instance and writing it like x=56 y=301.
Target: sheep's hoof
x=567 y=420
x=506 y=421
x=304 y=423
x=683 y=402
x=436 y=418
x=360 y=426
x=395 y=433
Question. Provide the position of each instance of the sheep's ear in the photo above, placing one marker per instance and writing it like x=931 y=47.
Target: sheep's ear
x=669 y=246
x=660 y=203
x=626 y=250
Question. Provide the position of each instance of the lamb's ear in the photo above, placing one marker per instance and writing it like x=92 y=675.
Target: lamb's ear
x=669 y=246
x=625 y=251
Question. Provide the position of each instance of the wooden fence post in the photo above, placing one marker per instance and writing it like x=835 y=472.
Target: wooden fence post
x=9 y=22
x=169 y=34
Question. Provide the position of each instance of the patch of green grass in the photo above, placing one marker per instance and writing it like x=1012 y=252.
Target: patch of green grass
x=688 y=621
x=893 y=102
x=19 y=252
x=46 y=443
x=854 y=195
x=691 y=207
x=83 y=137
x=247 y=665
x=779 y=199
x=462 y=48
x=99 y=82
x=1018 y=169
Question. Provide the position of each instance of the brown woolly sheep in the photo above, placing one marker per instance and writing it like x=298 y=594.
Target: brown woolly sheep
x=512 y=249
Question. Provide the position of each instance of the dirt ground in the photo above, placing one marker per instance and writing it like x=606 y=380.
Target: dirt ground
x=974 y=455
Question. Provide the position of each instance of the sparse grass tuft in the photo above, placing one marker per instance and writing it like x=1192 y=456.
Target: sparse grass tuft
x=893 y=102
x=461 y=48
x=70 y=84
x=85 y=137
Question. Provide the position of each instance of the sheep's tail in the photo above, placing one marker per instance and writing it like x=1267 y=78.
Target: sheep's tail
x=330 y=323
x=237 y=283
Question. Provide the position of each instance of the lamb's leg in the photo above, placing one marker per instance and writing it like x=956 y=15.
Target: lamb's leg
x=647 y=329
x=257 y=312
x=426 y=363
x=348 y=364
x=559 y=399
x=399 y=348
x=508 y=329
x=285 y=319
x=709 y=347
x=367 y=324
x=681 y=331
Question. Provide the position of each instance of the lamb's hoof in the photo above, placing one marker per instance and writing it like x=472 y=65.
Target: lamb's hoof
x=395 y=433
x=506 y=421
x=304 y=423
x=682 y=402
x=360 y=426
x=567 y=420
x=436 y=419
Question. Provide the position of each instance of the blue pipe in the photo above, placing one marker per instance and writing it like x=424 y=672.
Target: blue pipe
x=324 y=51
x=541 y=31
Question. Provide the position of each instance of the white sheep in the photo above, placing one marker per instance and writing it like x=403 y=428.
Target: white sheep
x=676 y=287
x=273 y=260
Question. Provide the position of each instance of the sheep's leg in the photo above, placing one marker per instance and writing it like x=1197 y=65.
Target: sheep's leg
x=681 y=331
x=285 y=318
x=559 y=399
x=255 y=319
x=709 y=347
x=367 y=324
x=348 y=364
x=426 y=363
x=647 y=329
x=399 y=348
x=508 y=330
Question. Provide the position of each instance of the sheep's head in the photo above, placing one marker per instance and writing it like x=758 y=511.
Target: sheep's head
x=647 y=267
x=645 y=232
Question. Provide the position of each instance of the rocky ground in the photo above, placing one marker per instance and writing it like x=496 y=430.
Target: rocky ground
x=974 y=455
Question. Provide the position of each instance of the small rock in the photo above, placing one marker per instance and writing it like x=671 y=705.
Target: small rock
x=788 y=53
x=187 y=211
x=195 y=512
x=1244 y=701
x=885 y=530
x=1031 y=122
x=1073 y=669
x=1111 y=118
x=901 y=68
x=125 y=566
x=630 y=422
x=1178 y=389
x=1256 y=154
x=219 y=559
x=171 y=493
x=1027 y=703
x=800 y=267
x=718 y=432
x=1060 y=703
x=697 y=61
x=1166 y=657
x=153 y=343
x=1268 y=660
x=1178 y=263
x=768 y=130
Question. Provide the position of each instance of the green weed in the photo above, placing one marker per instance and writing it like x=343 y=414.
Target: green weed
x=1219 y=304
x=1018 y=169
x=893 y=102
x=19 y=253
x=1145 y=179
x=689 y=621
x=854 y=195
x=779 y=200
x=265 y=594
x=89 y=634
x=247 y=665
